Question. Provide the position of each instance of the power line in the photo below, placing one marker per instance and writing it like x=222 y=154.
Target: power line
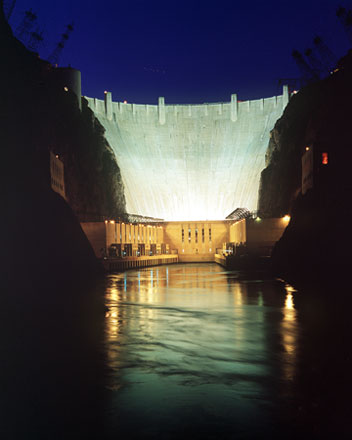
x=35 y=40
x=8 y=8
x=308 y=74
x=345 y=17
x=328 y=59
x=55 y=55
x=26 y=24
x=315 y=62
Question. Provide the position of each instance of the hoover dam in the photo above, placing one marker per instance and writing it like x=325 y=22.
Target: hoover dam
x=190 y=162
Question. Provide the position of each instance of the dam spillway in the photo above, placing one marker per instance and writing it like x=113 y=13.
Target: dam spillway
x=189 y=162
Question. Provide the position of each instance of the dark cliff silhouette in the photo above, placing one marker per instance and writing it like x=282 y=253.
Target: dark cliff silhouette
x=38 y=116
x=317 y=242
x=50 y=302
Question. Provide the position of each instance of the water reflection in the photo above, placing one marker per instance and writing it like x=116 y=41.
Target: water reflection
x=198 y=341
x=51 y=363
x=289 y=334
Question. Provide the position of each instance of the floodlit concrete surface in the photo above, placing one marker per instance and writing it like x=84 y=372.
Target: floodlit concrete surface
x=189 y=162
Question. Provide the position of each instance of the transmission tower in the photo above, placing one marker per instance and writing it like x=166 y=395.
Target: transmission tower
x=55 y=55
x=23 y=29
x=314 y=62
x=308 y=74
x=8 y=8
x=345 y=17
x=327 y=57
x=35 y=40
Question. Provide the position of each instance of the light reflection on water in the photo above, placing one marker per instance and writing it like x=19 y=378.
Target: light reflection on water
x=195 y=347
x=289 y=332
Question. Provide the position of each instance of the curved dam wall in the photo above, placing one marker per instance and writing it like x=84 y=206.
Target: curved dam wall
x=189 y=162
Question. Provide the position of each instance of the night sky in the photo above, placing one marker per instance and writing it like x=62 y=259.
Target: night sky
x=188 y=51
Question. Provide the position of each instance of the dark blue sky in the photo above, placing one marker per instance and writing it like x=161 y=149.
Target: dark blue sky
x=189 y=51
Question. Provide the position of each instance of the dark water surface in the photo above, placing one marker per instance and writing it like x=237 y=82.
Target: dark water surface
x=179 y=351
x=198 y=350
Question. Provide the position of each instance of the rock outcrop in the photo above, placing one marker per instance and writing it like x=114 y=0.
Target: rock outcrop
x=316 y=244
x=36 y=116
x=51 y=305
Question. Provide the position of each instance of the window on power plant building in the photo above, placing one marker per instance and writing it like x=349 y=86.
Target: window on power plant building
x=189 y=235
x=209 y=234
x=202 y=235
x=196 y=235
x=183 y=235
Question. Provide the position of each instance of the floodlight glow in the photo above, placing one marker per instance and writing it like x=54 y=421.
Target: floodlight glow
x=289 y=301
x=286 y=218
x=189 y=162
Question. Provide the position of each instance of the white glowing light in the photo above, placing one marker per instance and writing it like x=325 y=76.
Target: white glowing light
x=289 y=301
x=290 y=288
x=190 y=162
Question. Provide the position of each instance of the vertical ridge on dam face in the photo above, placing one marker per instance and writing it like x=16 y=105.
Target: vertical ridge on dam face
x=189 y=162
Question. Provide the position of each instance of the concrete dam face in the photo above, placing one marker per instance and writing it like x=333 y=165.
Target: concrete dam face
x=189 y=162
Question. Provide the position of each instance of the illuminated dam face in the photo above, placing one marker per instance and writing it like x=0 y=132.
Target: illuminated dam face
x=189 y=162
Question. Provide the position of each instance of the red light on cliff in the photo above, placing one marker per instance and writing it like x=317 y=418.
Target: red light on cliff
x=324 y=158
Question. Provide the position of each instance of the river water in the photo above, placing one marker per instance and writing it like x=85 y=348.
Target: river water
x=188 y=350
x=195 y=349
